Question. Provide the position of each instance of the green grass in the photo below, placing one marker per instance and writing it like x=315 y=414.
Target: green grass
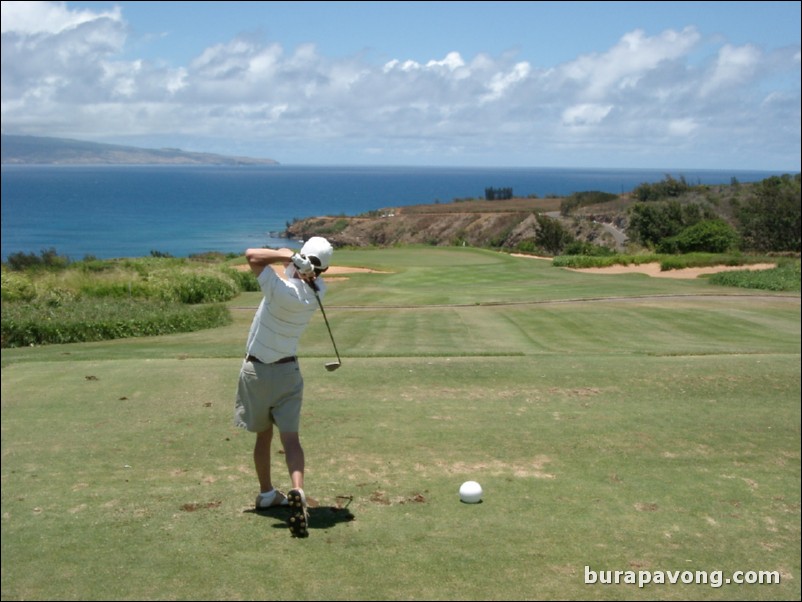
x=615 y=422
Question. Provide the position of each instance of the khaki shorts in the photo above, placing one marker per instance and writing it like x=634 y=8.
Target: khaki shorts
x=269 y=394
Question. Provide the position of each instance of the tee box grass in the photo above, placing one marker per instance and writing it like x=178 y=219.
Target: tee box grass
x=615 y=423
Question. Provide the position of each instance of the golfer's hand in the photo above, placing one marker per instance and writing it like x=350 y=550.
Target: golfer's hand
x=303 y=265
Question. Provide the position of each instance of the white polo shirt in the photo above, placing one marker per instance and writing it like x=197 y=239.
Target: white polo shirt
x=283 y=315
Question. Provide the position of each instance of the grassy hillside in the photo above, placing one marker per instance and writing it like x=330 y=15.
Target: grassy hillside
x=762 y=216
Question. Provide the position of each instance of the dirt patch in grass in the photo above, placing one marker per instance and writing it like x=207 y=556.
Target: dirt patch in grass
x=525 y=469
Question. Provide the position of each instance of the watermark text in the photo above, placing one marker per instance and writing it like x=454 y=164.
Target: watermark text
x=714 y=579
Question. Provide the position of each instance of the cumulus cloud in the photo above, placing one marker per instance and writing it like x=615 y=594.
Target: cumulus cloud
x=63 y=75
x=585 y=114
x=733 y=66
x=48 y=17
x=682 y=127
x=622 y=67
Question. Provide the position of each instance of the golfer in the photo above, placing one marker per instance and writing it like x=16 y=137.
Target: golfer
x=270 y=388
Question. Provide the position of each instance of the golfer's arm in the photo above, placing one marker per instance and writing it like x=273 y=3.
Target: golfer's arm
x=258 y=259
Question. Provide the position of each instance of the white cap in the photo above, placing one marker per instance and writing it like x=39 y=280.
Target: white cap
x=321 y=248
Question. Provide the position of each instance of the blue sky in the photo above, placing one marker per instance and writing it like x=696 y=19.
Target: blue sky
x=551 y=84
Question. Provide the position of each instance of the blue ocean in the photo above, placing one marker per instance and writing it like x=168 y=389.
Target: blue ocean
x=131 y=211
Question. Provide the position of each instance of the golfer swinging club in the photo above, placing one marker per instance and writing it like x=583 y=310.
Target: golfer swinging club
x=270 y=388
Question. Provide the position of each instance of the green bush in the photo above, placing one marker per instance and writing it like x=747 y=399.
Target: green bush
x=48 y=259
x=17 y=287
x=579 y=247
x=785 y=277
x=95 y=300
x=75 y=321
x=602 y=261
x=667 y=188
x=650 y=223
x=700 y=260
x=707 y=236
x=245 y=279
x=526 y=246
x=196 y=287
x=57 y=296
x=585 y=261
x=121 y=288
x=770 y=220
x=551 y=235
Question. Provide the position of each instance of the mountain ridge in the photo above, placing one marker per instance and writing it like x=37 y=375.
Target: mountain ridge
x=44 y=150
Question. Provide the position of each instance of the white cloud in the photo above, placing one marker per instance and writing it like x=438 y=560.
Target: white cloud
x=48 y=17
x=733 y=66
x=452 y=62
x=585 y=114
x=623 y=66
x=63 y=75
x=682 y=127
x=501 y=82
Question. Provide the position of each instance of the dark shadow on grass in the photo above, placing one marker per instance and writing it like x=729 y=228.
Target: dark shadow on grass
x=320 y=517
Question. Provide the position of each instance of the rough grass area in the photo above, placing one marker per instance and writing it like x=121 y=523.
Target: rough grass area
x=83 y=320
x=785 y=277
x=99 y=300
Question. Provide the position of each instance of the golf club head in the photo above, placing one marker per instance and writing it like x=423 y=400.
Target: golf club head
x=332 y=366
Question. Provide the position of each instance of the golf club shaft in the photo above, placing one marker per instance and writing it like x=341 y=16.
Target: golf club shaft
x=325 y=319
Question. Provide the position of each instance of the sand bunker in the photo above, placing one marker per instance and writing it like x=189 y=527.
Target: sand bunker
x=653 y=269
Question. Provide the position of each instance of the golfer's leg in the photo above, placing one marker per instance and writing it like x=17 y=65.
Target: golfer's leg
x=294 y=454
x=261 y=458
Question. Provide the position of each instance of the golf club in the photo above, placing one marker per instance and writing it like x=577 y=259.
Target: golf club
x=330 y=366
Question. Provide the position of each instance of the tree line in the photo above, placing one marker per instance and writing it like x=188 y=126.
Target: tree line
x=498 y=194
x=765 y=218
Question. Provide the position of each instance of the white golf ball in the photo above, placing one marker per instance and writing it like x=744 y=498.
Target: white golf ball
x=470 y=492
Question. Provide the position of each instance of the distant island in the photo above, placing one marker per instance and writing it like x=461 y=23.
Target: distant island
x=40 y=150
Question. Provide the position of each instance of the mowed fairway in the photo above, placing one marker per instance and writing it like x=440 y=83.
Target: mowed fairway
x=616 y=423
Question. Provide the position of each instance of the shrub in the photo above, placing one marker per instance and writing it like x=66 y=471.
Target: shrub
x=552 y=235
x=667 y=188
x=17 y=287
x=785 y=277
x=57 y=296
x=650 y=223
x=97 y=300
x=526 y=246
x=245 y=279
x=48 y=259
x=119 y=288
x=708 y=236
x=498 y=194
x=587 y=261
x=771 y=220
x=579 y=247
x=76 y=321
x=196 y=287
